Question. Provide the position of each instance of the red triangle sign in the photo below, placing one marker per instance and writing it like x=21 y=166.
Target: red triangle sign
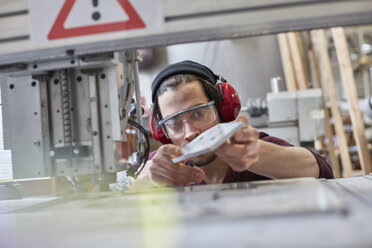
x=58 y=31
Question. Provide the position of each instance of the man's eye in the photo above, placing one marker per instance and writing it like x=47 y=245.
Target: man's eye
x=197 y=114
x=173 y=123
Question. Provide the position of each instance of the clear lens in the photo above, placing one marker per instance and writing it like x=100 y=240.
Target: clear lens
x=196 y=116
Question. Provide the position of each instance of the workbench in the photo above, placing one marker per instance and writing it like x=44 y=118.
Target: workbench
x=303 y=212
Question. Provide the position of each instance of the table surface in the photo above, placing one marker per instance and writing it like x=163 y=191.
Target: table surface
x=303 y=212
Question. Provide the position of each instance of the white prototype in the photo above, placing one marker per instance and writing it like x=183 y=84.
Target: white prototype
x=209 y=141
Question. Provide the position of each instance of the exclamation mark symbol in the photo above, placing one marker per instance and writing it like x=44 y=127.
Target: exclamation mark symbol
x=96 y=15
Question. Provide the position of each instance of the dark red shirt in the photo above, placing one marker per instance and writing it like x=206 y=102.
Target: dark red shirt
x=231 y=176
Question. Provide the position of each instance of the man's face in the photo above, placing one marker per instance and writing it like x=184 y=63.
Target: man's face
x=175 y=100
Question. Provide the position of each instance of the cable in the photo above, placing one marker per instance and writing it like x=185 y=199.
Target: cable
x=133 y=170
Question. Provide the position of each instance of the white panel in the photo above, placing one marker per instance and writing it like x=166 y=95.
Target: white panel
x=282 y=106
x=5 y=155
x=11 y=6
x=192 y=7
x=200 y=20
x=13 y=26
x=308 y=100
x=28 y=143
x=287 y=133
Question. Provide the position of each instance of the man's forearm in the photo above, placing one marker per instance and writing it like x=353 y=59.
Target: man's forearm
x=284 y=162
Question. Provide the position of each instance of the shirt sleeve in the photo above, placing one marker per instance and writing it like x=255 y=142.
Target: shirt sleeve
x=325 y=170
x=152 y=154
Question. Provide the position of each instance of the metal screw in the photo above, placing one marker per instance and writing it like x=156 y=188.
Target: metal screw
x=96 y=16
x=37 y=143
x=52 y=153
x=76 y=151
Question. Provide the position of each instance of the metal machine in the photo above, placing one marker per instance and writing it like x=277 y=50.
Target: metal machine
x=62 y=117
x=66 y=96
x=295 y=116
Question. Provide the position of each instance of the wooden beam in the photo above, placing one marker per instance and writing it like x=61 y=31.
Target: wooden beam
x=348 y=82
x=329 y=81
x=327 y=123
x=365 y=74
x=314 y=62
x=304 y=59
x=287 y=62
x=298 y=59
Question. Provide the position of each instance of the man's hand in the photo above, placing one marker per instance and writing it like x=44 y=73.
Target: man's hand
x=241 y=151
x=161 y=170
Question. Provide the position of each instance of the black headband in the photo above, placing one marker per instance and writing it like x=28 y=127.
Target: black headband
x=184 y=67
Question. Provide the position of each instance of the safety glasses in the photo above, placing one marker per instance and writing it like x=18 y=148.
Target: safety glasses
x=198 y=116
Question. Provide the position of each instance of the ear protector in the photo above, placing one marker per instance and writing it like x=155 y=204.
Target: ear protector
x=230 y=101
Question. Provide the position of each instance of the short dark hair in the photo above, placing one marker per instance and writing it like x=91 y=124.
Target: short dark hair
x=183 y=67
x=209 y=88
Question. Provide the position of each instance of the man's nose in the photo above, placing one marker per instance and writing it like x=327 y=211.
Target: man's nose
x=190 y=131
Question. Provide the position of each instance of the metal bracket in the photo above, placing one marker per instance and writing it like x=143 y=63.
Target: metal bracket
x=13 y=67
x=97 y=57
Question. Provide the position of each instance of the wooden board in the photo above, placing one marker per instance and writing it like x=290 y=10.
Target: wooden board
x=348 y=82
x=287 y=62
x=327 y=123
x=329 y=81
x=296 y=49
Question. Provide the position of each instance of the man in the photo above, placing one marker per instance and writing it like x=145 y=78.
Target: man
x=185 y=104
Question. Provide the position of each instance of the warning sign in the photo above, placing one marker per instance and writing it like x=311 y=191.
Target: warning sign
x=53 y=20
x=59 y=31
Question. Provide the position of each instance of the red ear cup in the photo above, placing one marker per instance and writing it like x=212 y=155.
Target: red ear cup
x=156 y=131
x=230 y=101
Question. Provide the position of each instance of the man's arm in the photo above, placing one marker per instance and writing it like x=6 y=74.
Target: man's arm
x=271 y=157
x=284 y=162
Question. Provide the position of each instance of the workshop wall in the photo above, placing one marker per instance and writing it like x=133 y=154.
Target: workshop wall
x=248 y=64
